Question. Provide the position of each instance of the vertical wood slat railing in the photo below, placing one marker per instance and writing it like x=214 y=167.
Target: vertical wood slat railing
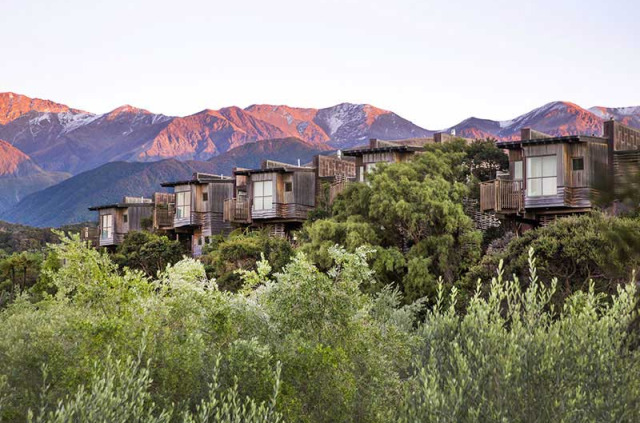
x=236 y=210
x=502 y=195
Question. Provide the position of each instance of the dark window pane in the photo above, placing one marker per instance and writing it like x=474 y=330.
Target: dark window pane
x=578 y=163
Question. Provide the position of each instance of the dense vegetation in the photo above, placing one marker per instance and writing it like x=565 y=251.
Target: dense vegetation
x=308 y=345
x=385 y=307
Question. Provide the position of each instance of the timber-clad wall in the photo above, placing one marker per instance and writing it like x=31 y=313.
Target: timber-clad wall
x=626 y=170
x=294 y=205
x=328 y=167
x=135 y=214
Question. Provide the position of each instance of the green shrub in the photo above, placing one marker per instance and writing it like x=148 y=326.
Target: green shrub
x=514 y=357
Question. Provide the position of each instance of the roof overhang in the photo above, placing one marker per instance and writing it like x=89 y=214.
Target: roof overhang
x=197 y=182
x=386 y=149
x=569 y=139
x=120 y=206
x=247 y=172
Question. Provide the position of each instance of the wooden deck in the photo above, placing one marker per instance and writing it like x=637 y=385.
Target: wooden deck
x=502 y=196
x=236 y=211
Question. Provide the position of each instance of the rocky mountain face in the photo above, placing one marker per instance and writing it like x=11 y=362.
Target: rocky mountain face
x=629 y=116
x=556 y=118
x=14 y=163
x=60 y=138
x=20 y=176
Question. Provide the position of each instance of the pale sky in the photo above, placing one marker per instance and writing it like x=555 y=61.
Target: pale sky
x=432 y=62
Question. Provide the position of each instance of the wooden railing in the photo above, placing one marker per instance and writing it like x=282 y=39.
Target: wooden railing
x=90 y=234
x=502 y=196
x=236 y=210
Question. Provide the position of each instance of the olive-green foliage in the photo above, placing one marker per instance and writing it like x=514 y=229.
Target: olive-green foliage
x=148 y=252
x=241 y=251
x=119 y=392
x=342 y=352
x=412 y=214
x=575 y=250
x=514 y=357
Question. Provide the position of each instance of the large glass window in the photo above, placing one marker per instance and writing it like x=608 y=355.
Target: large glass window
x=542 y=176
x=106 y=225
x=183 y=204
x=262 y=195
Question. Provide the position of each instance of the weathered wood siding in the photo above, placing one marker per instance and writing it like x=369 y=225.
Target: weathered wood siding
x=329 y=167
x=621 y=137
x=135 y=216
x=293 y=205
x=304 y=189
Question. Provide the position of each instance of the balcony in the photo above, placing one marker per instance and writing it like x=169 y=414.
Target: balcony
x=502 y=196
x=236 y=211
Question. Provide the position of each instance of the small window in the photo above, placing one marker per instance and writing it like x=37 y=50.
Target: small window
x=205 y=196
x=288 y=186
x=578 y=163
x=199 y=240
x=125 y=218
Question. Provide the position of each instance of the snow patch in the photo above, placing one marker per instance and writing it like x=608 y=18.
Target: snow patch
x=505 y=123
x=71 y=121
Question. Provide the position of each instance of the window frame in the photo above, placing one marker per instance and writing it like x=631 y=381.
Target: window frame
x=205 y=197
x=106 y=230
x=580 y=160
x=260 y=197
x=288 y=186
x=543 y=176
x=183 y=204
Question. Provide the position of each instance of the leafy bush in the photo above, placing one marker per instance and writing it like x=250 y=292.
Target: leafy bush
x=412 y=214
x=224 y=257
x=148 y=252
x=575 y=250
x=514 y=357
x=345 y=355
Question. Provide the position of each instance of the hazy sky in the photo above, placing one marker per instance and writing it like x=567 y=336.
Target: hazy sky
x=433 y=62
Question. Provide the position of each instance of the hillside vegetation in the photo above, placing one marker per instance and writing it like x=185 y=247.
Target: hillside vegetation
x=391 y=307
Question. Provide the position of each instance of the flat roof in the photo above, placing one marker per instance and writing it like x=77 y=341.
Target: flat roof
x=280 y=169
x=569 y=139
x=199 y=178
x=385 y=149
x=120 y=206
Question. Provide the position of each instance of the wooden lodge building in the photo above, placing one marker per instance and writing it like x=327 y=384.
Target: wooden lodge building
x=554 y=176
x=280 y=195
x=380 y=151
x=116 y=220
x=197 y=208
x=548 y=177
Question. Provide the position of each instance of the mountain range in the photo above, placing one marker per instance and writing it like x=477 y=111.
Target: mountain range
x=68 y=202
x=42 y=143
